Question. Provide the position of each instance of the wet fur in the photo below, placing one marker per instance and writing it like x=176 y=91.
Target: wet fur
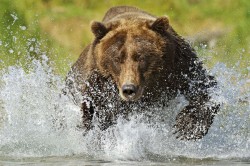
x=94 y=84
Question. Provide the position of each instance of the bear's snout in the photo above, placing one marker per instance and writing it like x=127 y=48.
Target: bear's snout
x=129 y=90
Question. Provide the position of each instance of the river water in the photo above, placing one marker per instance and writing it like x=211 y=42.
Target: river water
x=38 y=125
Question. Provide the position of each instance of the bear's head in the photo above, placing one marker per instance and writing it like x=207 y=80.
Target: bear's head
x=132 y=53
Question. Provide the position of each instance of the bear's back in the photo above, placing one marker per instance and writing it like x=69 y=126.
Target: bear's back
x=126 y=12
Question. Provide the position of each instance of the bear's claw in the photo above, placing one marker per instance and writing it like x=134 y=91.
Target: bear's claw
x=193 y=122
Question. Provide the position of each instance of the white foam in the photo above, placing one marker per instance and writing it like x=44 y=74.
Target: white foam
x=38 y=121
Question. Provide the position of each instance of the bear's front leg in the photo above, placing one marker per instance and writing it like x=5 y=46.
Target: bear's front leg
x=87 y=111
x=193 y=121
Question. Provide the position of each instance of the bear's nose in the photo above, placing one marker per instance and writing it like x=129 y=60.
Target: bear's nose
x=129 y=90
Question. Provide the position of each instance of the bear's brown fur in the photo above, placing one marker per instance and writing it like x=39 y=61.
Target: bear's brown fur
x=135 y=59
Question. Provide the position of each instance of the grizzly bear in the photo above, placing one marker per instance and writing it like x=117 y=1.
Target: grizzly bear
x=135 y=60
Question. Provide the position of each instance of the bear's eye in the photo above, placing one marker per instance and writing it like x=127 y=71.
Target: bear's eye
x=141 y=59
x=142 y=62
x=117 y=60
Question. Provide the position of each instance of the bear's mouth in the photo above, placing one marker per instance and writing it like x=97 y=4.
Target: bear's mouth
x=130 y=92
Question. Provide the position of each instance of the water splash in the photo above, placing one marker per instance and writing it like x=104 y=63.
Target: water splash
x=34 y=113
x=36 y=120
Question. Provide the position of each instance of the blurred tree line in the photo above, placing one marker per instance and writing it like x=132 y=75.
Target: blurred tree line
x=218 y=29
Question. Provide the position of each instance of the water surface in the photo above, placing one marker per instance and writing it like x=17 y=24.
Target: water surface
x=38 y=125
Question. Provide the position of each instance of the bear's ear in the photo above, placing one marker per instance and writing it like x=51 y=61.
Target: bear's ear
x=99 y=29
x=160 y=25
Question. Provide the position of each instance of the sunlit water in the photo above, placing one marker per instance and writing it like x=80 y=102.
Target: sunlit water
x=38 y=125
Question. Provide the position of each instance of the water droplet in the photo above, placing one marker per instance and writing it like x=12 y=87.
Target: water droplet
x=110 y=105
x=23 y=27
x=11 y=51
x=31 y=48
x=14 y=17
x=14 y=38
